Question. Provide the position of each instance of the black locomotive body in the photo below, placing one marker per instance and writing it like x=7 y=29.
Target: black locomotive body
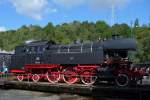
x=44 y=52
x=85 y=62
x=90 y=53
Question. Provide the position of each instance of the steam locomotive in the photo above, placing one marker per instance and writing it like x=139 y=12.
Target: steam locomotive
x=87 y=63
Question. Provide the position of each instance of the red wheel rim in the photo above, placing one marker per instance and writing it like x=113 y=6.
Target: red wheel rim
x=70 y=76
x=20 y=77
x=53 y=75
x=88 y=77
x=35 y=78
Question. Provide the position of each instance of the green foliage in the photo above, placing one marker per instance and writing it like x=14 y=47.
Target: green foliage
x=102 y=29
x=84 y=31
x=143 y=37
x=121 y=29
x=136 y=23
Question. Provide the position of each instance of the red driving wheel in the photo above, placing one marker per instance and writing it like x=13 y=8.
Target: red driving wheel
x=35 y=77
x=53 y=75
x=88 y=77
x=20 y=77
x=70 y=75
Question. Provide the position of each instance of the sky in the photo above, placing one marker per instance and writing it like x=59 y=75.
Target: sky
x=15 y=13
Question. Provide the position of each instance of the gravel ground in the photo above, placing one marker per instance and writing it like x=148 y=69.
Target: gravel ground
x=30 y=95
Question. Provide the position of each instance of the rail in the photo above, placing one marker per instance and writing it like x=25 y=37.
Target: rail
x=96 y=91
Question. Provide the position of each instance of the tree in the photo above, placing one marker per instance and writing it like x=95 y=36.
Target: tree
x=49 y=32
x=143 y=37
x=1 y=43
x=35 y=32
x=121 y=29
x=102 y=29
x=136 y=23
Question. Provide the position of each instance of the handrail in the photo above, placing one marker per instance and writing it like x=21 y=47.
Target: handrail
x=59 y=49
x=92 y=47
x=81 y=47
x=68 y=48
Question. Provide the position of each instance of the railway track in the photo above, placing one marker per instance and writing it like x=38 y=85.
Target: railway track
x=138 y=92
